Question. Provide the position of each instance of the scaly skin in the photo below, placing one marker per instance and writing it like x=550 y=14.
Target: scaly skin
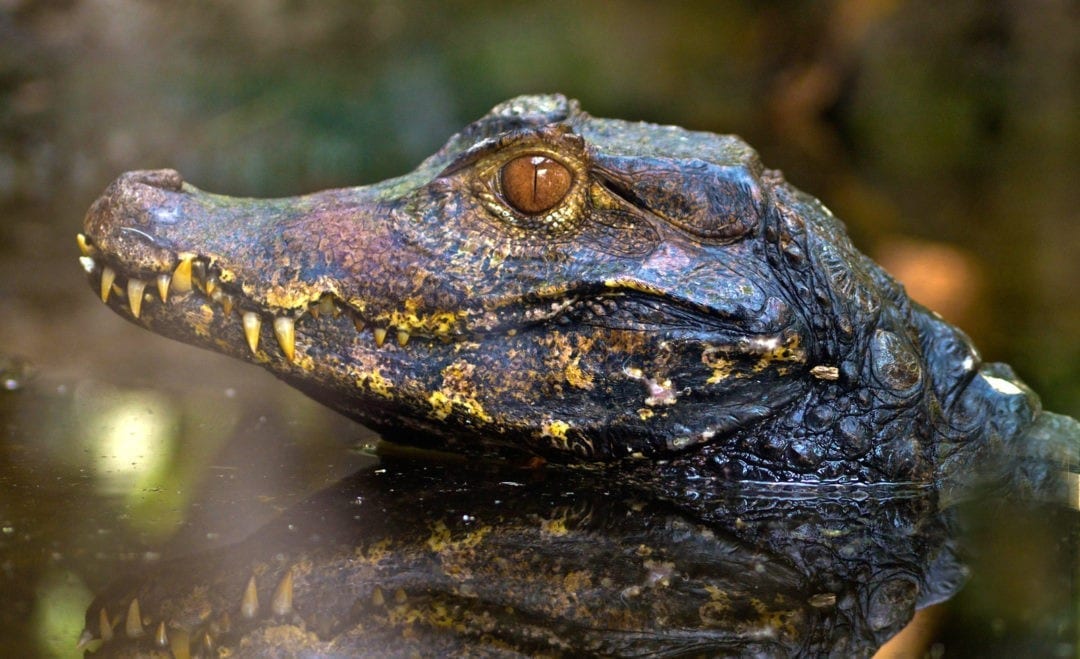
x=645 y=299
x=678 y=301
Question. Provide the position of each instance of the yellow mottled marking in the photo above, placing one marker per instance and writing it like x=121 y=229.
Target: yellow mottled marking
x=374 y=382
x=645 y=413
x=556 y=429
x=441 y=405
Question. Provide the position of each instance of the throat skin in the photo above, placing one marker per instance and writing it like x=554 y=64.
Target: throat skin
x=583 y=289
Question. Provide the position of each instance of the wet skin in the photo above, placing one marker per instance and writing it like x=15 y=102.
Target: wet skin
x=578 y=288
x=646 y=303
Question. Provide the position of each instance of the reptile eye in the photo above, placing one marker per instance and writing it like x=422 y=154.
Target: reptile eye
x=534 y=184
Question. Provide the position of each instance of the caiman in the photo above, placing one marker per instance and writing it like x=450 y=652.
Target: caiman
x=584 y=290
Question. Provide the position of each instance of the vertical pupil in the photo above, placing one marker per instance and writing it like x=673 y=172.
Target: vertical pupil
x=534 y=184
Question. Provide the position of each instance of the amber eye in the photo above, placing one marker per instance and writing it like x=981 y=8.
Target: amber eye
x=534 y=184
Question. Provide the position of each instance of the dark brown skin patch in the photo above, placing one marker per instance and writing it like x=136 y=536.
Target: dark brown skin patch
x=577 y=288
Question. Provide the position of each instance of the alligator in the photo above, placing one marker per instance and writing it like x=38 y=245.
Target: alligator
x=552 y=287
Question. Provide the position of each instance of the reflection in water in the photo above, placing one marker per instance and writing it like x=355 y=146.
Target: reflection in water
x=437 y=557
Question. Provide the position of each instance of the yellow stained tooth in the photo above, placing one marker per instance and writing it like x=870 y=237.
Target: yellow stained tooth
x=283 y=595
x=402 y=337
x=180 y=644
x=133 y=624
x=252 y=323
x=135 y=290
x=249 y=604
x=358 y=323
x=380 y=335
x=211 y=285
x=161 y=638
x=181 y=280
x=104 y=626
x=226 y=304
x=108 y=275
x=327 y=306
x=285 y=331
x=85 y=247
x=163 y=287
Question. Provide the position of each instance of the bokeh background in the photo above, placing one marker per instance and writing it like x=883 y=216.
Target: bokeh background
x=946 y=135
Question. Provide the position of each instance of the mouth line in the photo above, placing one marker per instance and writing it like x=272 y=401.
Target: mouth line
x=195 y=274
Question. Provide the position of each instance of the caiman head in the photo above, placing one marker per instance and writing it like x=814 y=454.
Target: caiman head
x=560 y=284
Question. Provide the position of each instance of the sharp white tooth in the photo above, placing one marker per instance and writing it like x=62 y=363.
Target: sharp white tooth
x=163 y=287
x=402 y=337
x=252 y=323
x=135 y=290
x=88 y=264
x=181 y=279
x=380 y=335
x=107 y=278
x=285 y=331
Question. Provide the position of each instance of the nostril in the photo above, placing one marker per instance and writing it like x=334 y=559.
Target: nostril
x=164 y=179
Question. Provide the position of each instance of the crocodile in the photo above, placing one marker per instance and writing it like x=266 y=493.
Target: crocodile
x=577 y=289
x=733 y=426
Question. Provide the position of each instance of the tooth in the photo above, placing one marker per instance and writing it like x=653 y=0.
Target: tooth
x=283 y=595
x=227 y=304
x=88 y=264
x=198 y=273
x=85 y=638
x=251 y=330
x=85 y=248
x=400 y=597
x=160 y=637
x=402 y=337
x=208 y=644
x=249 y=604
x=358 y=323
x=327 y=306
x=380 y=335
x=211 y=285
x=163 y=286
x=133 y=624
x=135 y=290
x=377 y=597
x=180 y=644
x=181 y=280
x=108 y=275
x=104 y=626
x=285 y=331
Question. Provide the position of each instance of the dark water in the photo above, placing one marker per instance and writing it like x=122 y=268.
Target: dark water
x=943 y=133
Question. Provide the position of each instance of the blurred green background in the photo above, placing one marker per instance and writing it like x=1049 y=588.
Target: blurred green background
x=944 y=133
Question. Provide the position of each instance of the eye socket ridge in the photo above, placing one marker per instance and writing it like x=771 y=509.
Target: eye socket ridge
x=534 y=183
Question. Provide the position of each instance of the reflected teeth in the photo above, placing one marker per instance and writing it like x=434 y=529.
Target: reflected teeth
x=163 y=286
x=285 y=331
x=135 y=290
x=283 y=595
x=108 y=275
x=249 y=604
x=181 y=279
x=252 y=323
x=160 y=637
x=133 y=624
x=104 y=626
